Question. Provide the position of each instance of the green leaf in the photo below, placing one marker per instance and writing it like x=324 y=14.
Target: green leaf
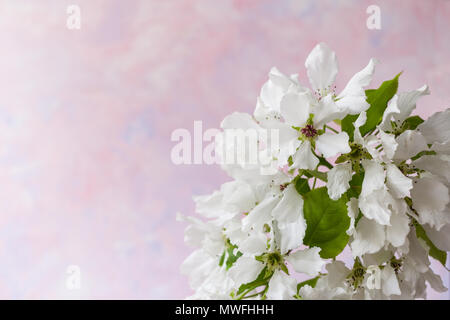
x=229 y=257
x=222 y=258
x=378 y=100
x=355 y=185
x=327 y=222
x=261 y=280
x=311 y=282
x=436 y=253
x=412 y=122
x=232 y=258
x=302 y=186
x=290 y=161
x=347 y=125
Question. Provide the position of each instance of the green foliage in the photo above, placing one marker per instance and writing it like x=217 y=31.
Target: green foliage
x=262 y=280
x=347 y=125
x=327 y=222
x=229 y=257
x=412 y=123
x=311 y=282
x=355 y=185
x=436 y=253
x=378 y=100
x=302 y=186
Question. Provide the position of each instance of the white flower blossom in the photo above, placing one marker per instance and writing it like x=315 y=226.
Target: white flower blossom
x=342 y=172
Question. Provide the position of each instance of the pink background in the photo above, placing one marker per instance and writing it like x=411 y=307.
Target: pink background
x=86 y=117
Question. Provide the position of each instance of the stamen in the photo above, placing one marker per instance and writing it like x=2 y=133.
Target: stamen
x=309 y=131
x=320 y=93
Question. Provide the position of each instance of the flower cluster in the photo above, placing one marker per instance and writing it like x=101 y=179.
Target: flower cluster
x=355 y=171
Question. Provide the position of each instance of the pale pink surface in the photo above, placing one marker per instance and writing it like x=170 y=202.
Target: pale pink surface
x=86 y=118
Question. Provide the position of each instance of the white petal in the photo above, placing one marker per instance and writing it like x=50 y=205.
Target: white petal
x=397 y=183
x=438 y=165
x=295 y=108
x=436 y=128
x=338 y=180
x=441 y=238
x=430 y=198
x=245 y=269
x=288 y=143
x=330 y=144
x=389 y=281
x=254 y=244
x=209 y=205
x=441 y=148
x=291 y=235
x=353 y=104
x=435 y=281
x=304 y=158
x=337 y=272
x=370 y=143
x=418 y=253
x=261 y=214
x=280 y=79
x=290 y=207
x=377 y=258
x=389 y=112
x=361 y=120
x=264 y=114
x=389 y=144
x=322 y=67
x=401 y=106
x=198 y=265
x=410 y=143
x=407 y=102
x=353 y=98
x=307 y=261
x=324 y=293
x=291 y=224
x=368 y=238
x=233 y=197
x=325 y=111
x=352 y=211
x=233 y=230
x=373 y=177
x=281 y=287
x=238 y=196
x=274 y=89
x=397 y=232
x=239 y=120
x=376 y=206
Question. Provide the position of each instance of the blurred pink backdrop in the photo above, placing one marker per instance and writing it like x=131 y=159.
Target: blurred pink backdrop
x=86 y=117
